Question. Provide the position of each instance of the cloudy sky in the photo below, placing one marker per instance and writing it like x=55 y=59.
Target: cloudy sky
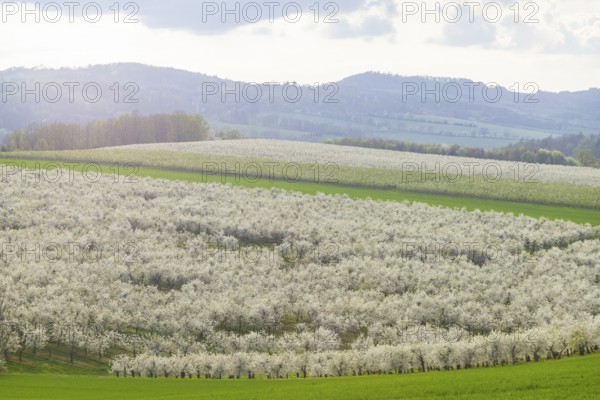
x=554 y=44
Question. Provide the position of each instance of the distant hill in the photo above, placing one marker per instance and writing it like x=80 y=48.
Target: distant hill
x=368 y=105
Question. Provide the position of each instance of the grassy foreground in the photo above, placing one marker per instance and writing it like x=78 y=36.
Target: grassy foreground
x=572 y=378
x=578 y=215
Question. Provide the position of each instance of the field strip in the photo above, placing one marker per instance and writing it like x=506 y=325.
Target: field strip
x=578 y=215
x=569 y=378
x=515 y=185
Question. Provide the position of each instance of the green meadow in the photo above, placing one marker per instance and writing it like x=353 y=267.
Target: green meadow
x=570 y=378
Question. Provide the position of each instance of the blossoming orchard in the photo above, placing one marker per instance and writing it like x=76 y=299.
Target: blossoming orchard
x=216 y=281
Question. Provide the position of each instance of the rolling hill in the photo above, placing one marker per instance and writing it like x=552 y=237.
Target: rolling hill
x=369 y=104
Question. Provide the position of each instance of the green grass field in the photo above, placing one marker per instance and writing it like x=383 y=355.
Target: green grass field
x=572 y=378
x=578 y=215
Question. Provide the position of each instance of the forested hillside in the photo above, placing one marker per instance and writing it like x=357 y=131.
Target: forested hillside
x=370 y=104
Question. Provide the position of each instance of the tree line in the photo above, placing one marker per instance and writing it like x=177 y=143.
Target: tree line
x=124 y=130
x=584 y=148
x=300 y=361
x=580 y=149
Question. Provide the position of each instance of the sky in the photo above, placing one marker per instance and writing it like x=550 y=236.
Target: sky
x=555 y=45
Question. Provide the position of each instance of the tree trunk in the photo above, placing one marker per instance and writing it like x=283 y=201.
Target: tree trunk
x=422 y=362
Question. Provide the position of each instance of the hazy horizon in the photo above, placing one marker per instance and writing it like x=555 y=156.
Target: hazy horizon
x=556 y=45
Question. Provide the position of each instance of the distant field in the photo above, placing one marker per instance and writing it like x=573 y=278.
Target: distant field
x=357 y=168
x=348 y=156
x=573 y=378
x=578 y=215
